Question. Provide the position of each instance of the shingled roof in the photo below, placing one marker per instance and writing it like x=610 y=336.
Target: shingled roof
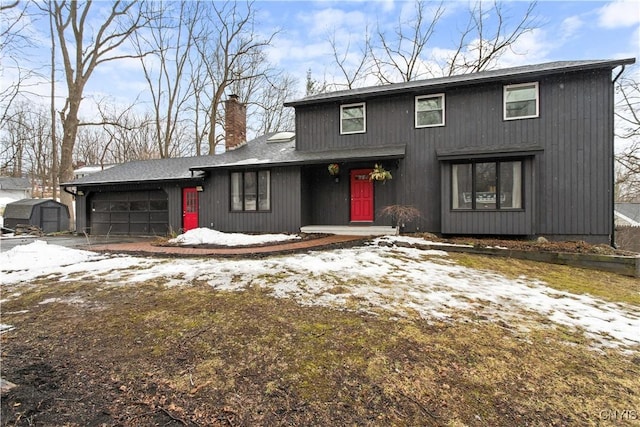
x=258 y=152
x=262 y=152
x=526 y=71
x=11 y=183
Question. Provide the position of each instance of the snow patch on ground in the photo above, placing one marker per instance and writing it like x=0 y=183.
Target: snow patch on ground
x=199 y=236
x=374 y=278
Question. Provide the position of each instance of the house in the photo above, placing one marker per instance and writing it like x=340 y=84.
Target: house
x=12 y=189
x=84 y=170
x=627 y=214
x=524 y=151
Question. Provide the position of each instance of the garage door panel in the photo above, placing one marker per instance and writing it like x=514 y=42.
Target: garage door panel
x=130 y=212
x=159 y=205
x=122 y=217
x=139 y=228
x=119 y=228
x=159 y=217
x=139 y=217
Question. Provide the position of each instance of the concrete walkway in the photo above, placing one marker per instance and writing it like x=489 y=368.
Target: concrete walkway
x=150 y=248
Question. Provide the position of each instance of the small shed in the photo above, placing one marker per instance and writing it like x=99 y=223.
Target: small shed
x=49 y=215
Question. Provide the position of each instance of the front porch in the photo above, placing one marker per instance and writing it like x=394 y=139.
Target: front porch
x=350 y=230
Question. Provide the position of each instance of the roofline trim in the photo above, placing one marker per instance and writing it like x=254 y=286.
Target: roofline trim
x=363 y=153
x=459 y=80
x=133 y=182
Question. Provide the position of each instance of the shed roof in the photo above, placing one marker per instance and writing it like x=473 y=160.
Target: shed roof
x=504 y=74
x=12 y=183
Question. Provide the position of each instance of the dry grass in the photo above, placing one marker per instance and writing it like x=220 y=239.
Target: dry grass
x=146 y=354
x=608 y=286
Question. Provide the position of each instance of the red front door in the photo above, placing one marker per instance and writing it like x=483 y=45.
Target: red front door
x=361 y=196
x=189 y=209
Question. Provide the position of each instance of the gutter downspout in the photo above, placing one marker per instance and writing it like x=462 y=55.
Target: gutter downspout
x=66 y=190
x=613 y=166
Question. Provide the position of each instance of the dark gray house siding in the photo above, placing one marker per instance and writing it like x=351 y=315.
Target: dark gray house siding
x=564 y=153
x=284 y=215
x=567 y=177
x=327 y=198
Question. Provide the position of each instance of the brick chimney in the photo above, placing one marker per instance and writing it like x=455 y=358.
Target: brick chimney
x=235 y=123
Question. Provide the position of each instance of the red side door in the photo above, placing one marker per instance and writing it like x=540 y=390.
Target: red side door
x=189 y=209
x=361 y=196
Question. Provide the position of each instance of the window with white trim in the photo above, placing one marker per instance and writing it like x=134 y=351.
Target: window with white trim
x=251 y=191
x=430 y=110
x=521 y=101
x=486 y=185
x=353 y=118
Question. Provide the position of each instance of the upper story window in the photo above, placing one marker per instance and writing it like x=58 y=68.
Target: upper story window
x=251 y=191
x=353 y=118
x=430 y=110
x=521 y=101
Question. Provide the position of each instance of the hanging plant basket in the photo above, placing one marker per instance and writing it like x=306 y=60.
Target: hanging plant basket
x=379 y=173
x=334 y=169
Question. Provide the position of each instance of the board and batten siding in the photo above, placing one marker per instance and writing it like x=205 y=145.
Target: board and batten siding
x=569 y=181
x=284 y=216
x=327 y=197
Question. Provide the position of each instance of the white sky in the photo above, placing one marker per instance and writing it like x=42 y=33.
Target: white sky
x=394 y=280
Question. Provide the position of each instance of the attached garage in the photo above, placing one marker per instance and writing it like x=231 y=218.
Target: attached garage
x=129 y=212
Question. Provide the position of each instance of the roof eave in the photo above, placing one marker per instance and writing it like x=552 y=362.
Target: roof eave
x=131 y=182
x=456 y=81
x=319 y=157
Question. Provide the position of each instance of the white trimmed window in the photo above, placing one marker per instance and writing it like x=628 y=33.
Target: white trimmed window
x=430 y=110
x=521 y=101
x=353 y=118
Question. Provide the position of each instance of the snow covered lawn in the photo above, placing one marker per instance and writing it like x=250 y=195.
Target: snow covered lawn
x=397 y=281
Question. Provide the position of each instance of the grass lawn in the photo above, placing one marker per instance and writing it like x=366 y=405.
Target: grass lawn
x=90 y=352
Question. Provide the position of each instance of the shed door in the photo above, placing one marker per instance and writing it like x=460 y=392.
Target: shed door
x=361 y=196
x=130 y=212
x=189 y=209
x=49 y=219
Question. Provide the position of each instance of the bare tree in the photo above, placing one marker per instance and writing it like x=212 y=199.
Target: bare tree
x=25 y=147
x=231 y=50
x=354 y=67
x=271 y=114
x=14 y=39
x=628 y=133
x=83 y=48
x=314 y=86
x=402 y=56
x=487 y=36
x=171 y=41
x=406 y=55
